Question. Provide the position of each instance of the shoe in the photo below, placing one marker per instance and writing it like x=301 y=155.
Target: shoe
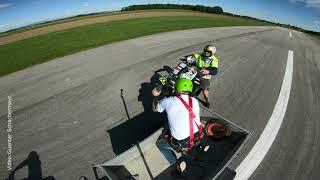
x=178 y=169
x=206 y=148
x=176 y=173
x=182 y=166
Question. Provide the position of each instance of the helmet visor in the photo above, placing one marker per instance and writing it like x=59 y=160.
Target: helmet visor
x=207 y=53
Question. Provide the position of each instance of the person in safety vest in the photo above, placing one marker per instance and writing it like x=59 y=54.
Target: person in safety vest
x=183 y=120
x=208 y=65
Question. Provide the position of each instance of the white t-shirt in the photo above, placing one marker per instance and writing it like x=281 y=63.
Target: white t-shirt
x=178 y=115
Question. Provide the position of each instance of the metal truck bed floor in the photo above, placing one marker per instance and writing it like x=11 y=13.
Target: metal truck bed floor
x=144 y=160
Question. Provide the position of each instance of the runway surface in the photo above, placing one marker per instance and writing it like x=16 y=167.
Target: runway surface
x=62 y=108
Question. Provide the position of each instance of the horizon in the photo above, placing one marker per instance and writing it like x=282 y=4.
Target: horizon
x=307 y=18
x=105 y=12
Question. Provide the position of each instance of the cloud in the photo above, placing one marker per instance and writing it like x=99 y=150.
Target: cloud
x=308 y=3
x=317 y=23
x=3 y=25
x=85 y=4
x=5 y=5
x=68 y=12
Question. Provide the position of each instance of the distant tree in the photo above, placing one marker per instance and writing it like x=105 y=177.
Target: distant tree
x=216 y=9
x=201 y=8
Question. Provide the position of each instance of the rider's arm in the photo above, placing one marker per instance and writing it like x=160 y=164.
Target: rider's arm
x=155 y=94
x=155 y=103
x=159 y=106
x=213 y=71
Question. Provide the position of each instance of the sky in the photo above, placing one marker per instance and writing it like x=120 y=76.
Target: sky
x=18 y=13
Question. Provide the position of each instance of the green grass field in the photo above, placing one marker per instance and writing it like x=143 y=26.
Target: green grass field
x=55 y=22
x=21 y=54
x=85 y=17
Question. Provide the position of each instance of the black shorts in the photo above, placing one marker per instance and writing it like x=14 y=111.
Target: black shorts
x=205 y=84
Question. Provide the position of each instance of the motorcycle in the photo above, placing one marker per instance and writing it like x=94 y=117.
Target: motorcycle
x=184 y=69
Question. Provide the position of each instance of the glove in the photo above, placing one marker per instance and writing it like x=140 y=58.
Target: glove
x=163 y=80
x=190 y=59
x=204 y=72
x=155 y=92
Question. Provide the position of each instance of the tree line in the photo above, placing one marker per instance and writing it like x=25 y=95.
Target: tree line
x=208 y=9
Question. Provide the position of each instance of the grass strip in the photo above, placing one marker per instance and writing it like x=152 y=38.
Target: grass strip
x=21 y=54
x=86 y=16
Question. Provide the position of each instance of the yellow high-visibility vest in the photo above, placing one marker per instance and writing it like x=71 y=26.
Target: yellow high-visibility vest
x=201 y=63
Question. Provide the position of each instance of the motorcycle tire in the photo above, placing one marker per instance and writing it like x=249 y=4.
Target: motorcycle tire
x=217 y=129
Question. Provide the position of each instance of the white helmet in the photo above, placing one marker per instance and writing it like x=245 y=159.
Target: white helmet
x=209 y=49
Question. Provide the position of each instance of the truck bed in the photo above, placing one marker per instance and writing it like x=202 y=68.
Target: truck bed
x=144 y=160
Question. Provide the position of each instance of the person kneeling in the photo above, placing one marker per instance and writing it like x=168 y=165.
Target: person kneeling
x=183 y=114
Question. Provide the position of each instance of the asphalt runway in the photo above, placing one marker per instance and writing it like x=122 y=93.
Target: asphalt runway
x=62 y=109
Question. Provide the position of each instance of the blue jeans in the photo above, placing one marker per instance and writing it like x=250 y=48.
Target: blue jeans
x=166 y=150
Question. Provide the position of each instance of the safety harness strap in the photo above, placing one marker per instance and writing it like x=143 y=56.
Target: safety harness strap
x=191 y=118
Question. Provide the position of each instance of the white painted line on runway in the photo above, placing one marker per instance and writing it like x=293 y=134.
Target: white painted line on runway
x=290 y=34
x=263 y=144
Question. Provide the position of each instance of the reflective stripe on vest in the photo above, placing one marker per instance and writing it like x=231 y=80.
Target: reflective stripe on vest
x=191 y=118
